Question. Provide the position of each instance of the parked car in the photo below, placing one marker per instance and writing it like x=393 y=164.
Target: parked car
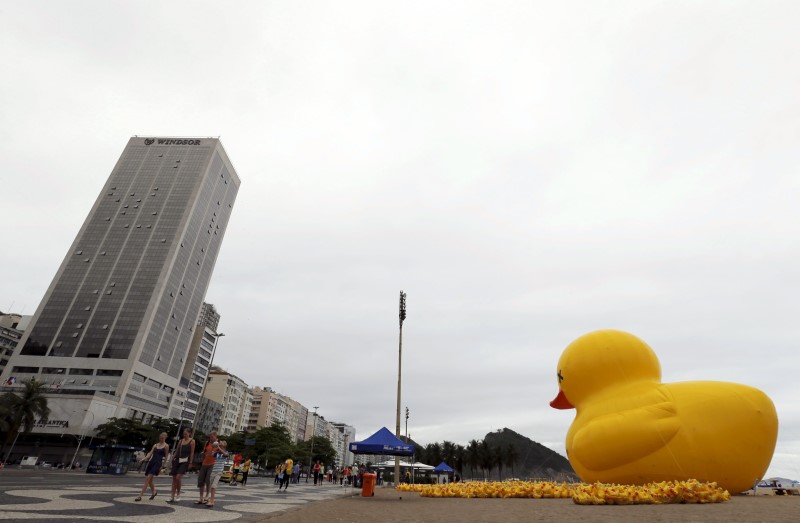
x=227 y=474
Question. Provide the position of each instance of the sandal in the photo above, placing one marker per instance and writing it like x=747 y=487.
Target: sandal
x=138 y=499
x=210 y=505
x=154 y=495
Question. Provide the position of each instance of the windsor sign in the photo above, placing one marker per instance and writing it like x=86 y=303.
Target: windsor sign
x=170 y=141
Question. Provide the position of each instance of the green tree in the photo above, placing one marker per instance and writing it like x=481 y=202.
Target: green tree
x=272 y=445
x=460 y=459
x=433 y=454
x=486 y=458
x=473 y=455
x=5 y=412
x=499 y=460
x=125 y=431
x=511 y=456
x=448 y=454
x=323 y=451
x=236 y=441
x=168 y=425
x=23 y=409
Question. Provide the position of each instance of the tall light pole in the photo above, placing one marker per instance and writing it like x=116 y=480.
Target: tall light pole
x=80 y=439
x=412 y=457
x=344 y=452
x=399 y=380
x=311 y=455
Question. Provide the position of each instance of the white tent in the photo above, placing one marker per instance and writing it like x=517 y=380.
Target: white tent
x=417 y=466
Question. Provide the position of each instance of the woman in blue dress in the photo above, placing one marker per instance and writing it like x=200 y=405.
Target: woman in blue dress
x=158 y=456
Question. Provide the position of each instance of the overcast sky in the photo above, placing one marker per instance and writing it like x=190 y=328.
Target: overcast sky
x=526 y=171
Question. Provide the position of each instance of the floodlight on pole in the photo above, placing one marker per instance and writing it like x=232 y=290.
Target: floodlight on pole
x=406 y=424
x=311 y=455
x=402 y=316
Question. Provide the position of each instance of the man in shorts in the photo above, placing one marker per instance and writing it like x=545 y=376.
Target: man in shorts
x=204 y=474
x=216 y=470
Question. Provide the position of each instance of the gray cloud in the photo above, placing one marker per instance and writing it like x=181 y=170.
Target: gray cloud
x=526 y=172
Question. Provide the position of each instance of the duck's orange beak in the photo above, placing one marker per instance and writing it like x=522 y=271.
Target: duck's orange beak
x=561 y=401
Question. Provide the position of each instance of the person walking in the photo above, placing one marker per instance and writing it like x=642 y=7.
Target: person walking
x=217 y=469
x=204 y=474
x=237 y=461
x=158 y=455
x=296 y=473
x=286 y=473
x=316 y=471
x=183 y=456
x=245 y=471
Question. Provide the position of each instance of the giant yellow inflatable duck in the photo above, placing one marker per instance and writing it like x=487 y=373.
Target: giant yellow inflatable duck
x=630 y=428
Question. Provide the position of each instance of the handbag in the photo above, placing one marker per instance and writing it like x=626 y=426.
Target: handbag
x=177 y=458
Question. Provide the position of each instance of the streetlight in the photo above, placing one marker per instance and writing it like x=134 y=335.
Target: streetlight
x=344 y=452
x=412 y=457
x=399 y=375
x=313 y=433
x=80 y=439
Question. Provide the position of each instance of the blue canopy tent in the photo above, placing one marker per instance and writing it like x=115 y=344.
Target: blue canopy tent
x=383 y=442
x=443 y=468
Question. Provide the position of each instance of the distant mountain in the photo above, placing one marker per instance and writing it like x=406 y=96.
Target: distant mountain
x=535 y=460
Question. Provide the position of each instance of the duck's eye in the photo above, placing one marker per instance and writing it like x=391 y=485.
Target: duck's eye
x=560 y=377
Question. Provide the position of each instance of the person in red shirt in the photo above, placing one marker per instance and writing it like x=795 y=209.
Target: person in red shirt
x=316 y=472
x=237 y=461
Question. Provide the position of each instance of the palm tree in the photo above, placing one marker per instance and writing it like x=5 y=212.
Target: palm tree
x=460 y=459
x=486 y=458
x=433 y=452
x=499 y=460
x=23 y=410
x=448 y=453
x=5 y=412
x=473 y=455
x=511 y=456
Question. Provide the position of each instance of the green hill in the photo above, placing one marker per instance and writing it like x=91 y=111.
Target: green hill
x=534 y=459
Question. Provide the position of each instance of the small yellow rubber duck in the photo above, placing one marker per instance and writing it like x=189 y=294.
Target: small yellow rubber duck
x=630 y=428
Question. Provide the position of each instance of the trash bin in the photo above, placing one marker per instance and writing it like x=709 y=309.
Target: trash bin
x=368 y=484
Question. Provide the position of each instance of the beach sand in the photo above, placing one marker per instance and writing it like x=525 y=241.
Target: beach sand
x=390 y=506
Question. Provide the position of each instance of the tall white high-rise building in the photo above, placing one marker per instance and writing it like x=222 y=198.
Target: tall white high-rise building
x=112 y=334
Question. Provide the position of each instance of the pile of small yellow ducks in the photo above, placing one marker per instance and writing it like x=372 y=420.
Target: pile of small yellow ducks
x=690 y=491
